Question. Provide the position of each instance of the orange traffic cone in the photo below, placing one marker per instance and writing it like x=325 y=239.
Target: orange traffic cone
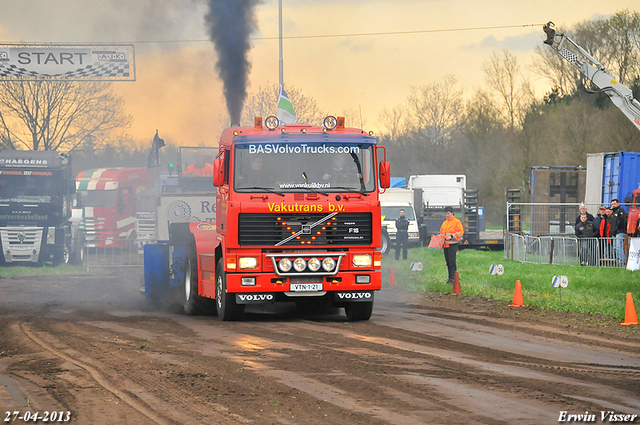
x=630 y=316
x=517 y=296
x=456 y=284
x=392 y=278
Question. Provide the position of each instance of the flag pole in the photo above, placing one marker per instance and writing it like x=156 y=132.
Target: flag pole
x=280 y=24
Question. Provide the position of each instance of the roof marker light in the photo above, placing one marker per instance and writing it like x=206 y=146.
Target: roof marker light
x=271 y=122
x=330 y=122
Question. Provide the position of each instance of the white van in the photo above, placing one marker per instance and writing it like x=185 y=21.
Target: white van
x=391 y=202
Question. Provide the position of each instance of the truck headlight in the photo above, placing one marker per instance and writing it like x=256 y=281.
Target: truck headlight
x=299 y=264
x=314 y=264
x=362 y=260
x=247 y=262
x=51 y=235
x=328 y=264
x=284 y=265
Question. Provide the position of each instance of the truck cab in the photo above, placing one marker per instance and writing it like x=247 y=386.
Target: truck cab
x=109 y=200
x=391 y=202
x=634 y=212
x=36 y=197
x=297 y=219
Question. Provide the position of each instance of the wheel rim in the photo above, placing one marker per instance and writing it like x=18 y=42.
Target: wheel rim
x=187 y=282
x=65 y=255
x=219 y=292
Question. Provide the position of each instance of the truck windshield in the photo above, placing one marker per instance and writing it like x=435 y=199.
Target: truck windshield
x=391 y=213
x=321 y=166
x=25 y=186
x=97 y=198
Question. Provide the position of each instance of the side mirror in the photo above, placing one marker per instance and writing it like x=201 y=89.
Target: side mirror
x=218 y=172
x=385 y=174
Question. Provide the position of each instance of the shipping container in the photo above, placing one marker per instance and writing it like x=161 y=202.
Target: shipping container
x=612 y=175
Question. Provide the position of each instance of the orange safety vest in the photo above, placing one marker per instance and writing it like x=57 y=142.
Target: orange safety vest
x=207 y=170
x=452 y=226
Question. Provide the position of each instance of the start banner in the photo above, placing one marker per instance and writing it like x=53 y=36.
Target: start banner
x=72 y=62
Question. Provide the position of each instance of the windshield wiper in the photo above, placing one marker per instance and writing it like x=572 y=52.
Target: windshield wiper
x=351 y=189
x=266 y=189
x=310 y=189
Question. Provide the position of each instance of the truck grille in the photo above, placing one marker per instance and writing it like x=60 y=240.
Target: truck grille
x=91 y=224
x=272 y=229
x=21 y=243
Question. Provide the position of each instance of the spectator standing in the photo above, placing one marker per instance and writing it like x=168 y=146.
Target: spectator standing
x=452 y=232
x=583 y=210
x=586 y=232
x=621 y=229
x=402 y=235
x=607 y=229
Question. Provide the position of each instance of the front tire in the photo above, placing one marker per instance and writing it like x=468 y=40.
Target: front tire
x=226 y=304
x=359 y=311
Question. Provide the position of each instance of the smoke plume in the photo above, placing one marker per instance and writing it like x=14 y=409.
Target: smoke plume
x=230 y=23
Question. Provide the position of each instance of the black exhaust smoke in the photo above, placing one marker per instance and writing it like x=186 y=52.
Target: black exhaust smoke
x=230 y=23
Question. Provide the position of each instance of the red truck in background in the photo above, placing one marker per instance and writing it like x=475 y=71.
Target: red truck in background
x=297 y=219
x=109 y=200
x=634 y=212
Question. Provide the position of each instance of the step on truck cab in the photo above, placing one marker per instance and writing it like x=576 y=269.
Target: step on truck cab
x=36 y=197
x=109 y=200
x=297 y=219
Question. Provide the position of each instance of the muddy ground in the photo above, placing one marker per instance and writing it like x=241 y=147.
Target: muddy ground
x=92 y=346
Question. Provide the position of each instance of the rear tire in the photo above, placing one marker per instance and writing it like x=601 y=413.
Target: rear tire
x=359 y=311
x=226 y=305
x=190 y=287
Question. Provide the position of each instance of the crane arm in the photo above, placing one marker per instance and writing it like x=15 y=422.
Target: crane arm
x=590 y=68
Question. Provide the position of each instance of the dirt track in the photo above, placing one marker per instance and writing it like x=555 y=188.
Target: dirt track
x=92 y=346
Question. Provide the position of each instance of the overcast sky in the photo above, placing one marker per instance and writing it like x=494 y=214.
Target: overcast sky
x=178 y=90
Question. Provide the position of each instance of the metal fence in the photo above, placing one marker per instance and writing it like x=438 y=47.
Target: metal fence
x=544 y=233
x=114 y=253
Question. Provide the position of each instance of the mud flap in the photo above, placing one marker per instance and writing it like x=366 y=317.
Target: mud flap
x=156 y=270
x=178 y=259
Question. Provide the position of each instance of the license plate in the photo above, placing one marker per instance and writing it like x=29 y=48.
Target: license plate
x=305 y=287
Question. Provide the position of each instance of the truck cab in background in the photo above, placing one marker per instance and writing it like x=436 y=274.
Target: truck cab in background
x=36 y=198
x=391 y=202
x=182 y=194
x=109 y=201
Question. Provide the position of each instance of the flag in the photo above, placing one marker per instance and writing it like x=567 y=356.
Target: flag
x=154 y=155
x=286 y=114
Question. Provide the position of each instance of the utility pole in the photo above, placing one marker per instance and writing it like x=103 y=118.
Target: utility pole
x=280 y=24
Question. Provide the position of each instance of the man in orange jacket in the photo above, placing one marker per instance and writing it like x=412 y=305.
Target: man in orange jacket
x=452 y=232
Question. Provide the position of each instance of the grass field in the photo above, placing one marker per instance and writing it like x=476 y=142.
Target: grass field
x=17 y=271
x=590 y=290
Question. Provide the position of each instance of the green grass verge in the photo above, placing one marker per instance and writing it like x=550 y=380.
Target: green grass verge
x=63 y=269
x=590 y=290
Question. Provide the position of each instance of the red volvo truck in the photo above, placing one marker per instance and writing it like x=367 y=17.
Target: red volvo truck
x=297 y=219
x=109 y=200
